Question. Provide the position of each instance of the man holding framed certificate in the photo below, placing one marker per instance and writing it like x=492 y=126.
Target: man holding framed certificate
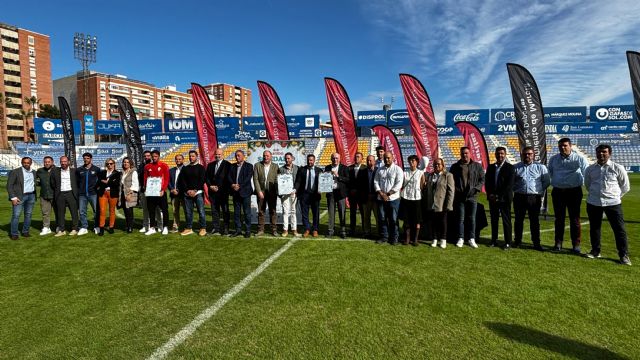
x=156 y=178
x=287 y=192
x=338 y=195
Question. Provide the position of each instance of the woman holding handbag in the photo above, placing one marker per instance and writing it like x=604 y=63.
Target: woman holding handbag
x=129 y=188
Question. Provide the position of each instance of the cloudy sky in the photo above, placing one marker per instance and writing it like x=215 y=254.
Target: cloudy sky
x=458 y=49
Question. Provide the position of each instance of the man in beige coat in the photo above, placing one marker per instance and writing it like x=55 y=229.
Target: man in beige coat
x=265 y=182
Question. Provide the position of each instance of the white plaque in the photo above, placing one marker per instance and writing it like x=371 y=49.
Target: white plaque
x=285 y=184
x=325 y=182
x=154 y=184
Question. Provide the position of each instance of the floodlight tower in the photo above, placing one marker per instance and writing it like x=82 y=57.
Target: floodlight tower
x=84 y=49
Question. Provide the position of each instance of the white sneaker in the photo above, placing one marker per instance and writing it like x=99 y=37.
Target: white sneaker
x=73 y=233
x=165 y=230
x=460 y=242
x=472 y=243
x=143 y=230
x=151 y=231
x=96 y=230
x=45 y=231
x=82 y=231
x=434 y=243
x=443 y=244
x=60 y=233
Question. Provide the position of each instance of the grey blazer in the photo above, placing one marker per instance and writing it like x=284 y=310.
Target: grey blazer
x=439 y=197
x=15 y=183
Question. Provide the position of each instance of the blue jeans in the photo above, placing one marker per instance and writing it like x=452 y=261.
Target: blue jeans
x=389 y=219
x=84 y=200
x=242 y=204
x=466 y=215
x=188 y=210
x=310 y=201
x=27 y=204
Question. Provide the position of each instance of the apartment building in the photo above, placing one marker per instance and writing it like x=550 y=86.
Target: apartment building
x=25 y=69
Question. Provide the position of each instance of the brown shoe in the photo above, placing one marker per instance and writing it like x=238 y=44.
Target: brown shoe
x=306 y=233
x=315 y=233
x=186 y=232
x=260 y=233
x=202 y=232
x=285 y=233
x=295 y=233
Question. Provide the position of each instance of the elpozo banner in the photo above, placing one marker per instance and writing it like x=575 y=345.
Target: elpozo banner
x=67 y=131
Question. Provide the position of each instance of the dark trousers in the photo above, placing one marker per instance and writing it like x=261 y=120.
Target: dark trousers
x=242 y=205
x=66 y=200
x=616 y=220
x=332 y=202
x=499 y=210
x=567 y=199
x=158 y=201
x=354 y=206
x=523 y=204
x=220 y=204
x=436 y=225
x=270 y=200
x=309 y=201
x=128 y=216
x=466 y=209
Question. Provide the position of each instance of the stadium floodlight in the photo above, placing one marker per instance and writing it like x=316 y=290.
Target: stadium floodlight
x=85 y=48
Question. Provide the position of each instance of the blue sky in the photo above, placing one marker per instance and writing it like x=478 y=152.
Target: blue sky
x=458 y=49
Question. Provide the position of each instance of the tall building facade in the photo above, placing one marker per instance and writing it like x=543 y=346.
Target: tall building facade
x=148 y=101
x=238 y=97
x=25 y=71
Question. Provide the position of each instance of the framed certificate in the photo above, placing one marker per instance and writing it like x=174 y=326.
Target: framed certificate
x=285 y=184
x=154 y=184
x=325 y=182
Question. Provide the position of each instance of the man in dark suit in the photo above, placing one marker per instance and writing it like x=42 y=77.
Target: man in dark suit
x=499 y=188
x=265 y=181
x=355 y=187
x=177 y=199
x=240 y=178
x=65 y=194
x=338 y=196
x=219 y=187
x=21 y=187
x=306 y=185
x=368 y=195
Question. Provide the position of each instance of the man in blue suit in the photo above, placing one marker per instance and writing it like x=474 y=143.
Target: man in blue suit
x=240 y=177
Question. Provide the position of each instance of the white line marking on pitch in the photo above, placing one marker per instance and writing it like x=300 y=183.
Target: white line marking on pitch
x=553 y=229
x=188 y=330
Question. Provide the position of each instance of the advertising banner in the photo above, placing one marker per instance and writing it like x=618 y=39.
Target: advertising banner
x=371 y=118
x=398 y=117
x=108 y=127
x=476 y=116
x=612 y=113
x=132 y=130
x=565 y=114
x=171 y=138
x=342 y=121
x=180 y=125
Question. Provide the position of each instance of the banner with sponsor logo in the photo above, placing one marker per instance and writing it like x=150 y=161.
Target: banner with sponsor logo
x=422 y=119
x=180 y=125
x=205 y=124
x=396 y=130
x=565 y=114
x=474 y=140
x=342 y=121
x=108 y=127
x=612 y=113
x=273 y=112
x=503 y=115
x=389 y=141
x=477 y=116
x=227 y=128
x=67 y=131
x=398 y=117
x=528 y=111
x=131 y=130
x=371 y=118
x=633 y=58
x=302 y=126
x=50 y=130
x=150 y=126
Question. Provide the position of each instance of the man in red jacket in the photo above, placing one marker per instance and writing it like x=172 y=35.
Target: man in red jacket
x=156 y=180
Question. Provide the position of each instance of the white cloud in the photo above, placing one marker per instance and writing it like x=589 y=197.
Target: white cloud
x=298 y=109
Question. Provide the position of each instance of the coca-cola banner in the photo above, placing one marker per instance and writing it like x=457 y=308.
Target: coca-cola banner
x=474 y=140
x=528 y=111
x=342 y=121
x=67 y=131
x=633 y=58
x=477 y=116
x=131 y=130
x=389 y=141
x=205 y=123
x=273 y=112
x=422 y=119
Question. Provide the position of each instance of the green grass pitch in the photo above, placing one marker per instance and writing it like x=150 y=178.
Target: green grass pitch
x=123 y=296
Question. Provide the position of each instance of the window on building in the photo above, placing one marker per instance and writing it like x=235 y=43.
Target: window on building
x=32 y=52
x=31 y=40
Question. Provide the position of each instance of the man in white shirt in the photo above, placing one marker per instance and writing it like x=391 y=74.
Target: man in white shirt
x=606 y=183
x=387 y=183
x=65 y=194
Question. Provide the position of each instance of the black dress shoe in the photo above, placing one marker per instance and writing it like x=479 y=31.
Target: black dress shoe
x=129 y=230
x=538 y=247
x=343 y=236
x=247 y=235
x=493 y=244
x=101 y=232
x=14 y=237
x=110 y=230
x=236 y=234
x=26 y=235
x=506 y=247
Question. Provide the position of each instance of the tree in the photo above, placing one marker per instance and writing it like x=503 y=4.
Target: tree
x=48 y=111
x=33 y=103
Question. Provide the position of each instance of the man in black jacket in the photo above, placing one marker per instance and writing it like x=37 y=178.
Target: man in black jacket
x=338 y=196
x=191 y=185
x=87 y=177
x=241 y=177
x=469 y=178
x=216 y=178
x=306 y=185
x=21 y=187
x=65 y=194
x=499 y=188
x=356 y=186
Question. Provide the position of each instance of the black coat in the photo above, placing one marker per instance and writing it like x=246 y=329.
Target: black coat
x=301 y=181
x=244 y=180
x=503 y=190
x=56 y=182
x=220 y=179
x=342 y=180
x=191 y=178
x=113 y=183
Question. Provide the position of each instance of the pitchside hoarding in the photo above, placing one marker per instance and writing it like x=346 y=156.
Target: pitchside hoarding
x=612 y=113
x=476 y=116
x=565 y=114
x=371 y=118
x=51 y=129
x=571 y=128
